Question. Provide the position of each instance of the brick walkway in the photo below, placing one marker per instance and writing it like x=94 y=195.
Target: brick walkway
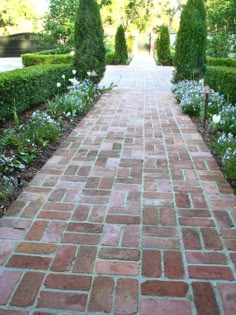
x=130 y=216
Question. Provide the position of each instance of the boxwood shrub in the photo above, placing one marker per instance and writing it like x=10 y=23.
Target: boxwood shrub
x=36 y=59
x=223 y=62
x=24 y=88
x=222 y=80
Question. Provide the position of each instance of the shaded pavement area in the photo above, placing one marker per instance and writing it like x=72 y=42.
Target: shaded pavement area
x=131 y=215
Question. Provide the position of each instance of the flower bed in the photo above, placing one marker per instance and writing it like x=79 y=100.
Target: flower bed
x=221 y=121
x=27 y=143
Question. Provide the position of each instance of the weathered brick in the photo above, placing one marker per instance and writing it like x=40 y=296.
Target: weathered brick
x=12 y=312
x=85 y=259
x=62 y=300
x=233 y=257
x=173 y=265
x=160 y=231
x=182 y=200
x=119 y=253
x=11 y=234
x=204 y=299
x=154 y=242
x=126 y=300
x=81 y=213
x=57 y=195
x=101 y=295
x=164 y=307
x=117 y=268
x=203 y=222
x=27 y=289
x=228 y=295
x=206 y=258
x=211 y=239
x=54 y=215
x=29 y=262
x=8 y=281
x=68 y=282
x=64 y=258
x=131 y=236
x=6 y=247
x=85 y=227
x=223 y=219
x=210 y=272
x=36 y=231
x=151 y=263
x=54 y=232
x=111 y=235
x=36 y=248
x=150 y=216
x=164 y=288
x=230 y=244
x=167 y=216
x=76 y=238
x=97 y=214
x=191 y=238
x=122 y=219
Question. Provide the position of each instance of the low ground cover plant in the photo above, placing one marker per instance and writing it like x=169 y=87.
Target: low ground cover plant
x=221 y=120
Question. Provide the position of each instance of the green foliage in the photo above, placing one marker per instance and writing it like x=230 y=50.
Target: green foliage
x=111 y=58
x=60 y=19
x=223 y=62
x=130 y=43
x=221 y=16
x=13 y=13
x=218 y=45
x=27 y=87
x=36 y=59
x=223 y=80
x=89 y=45
x=60 y=50
x=190 y=58
x=121 y=51
x=163 y=49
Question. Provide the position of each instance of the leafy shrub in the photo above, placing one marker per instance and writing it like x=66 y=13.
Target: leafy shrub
x=218 y=44
x=60 y=50
x=221 y=62
x=130 y=43
x=121 y=51
x=222 y=80
x=24 y=88
x=163 y=47
x=227 y=122
x=111 y=58
x=89 y=46
x=190 y=58
x=6 y=187
x=36 y=59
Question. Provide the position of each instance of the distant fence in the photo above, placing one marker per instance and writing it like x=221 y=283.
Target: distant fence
x=17 y=44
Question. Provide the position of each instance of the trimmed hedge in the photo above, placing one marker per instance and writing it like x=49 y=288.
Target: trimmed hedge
x=36 y=59
x=222 y=80
x=222 y=62
x=27 y=87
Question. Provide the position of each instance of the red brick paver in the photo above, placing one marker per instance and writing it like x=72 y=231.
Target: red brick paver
x=130 y=216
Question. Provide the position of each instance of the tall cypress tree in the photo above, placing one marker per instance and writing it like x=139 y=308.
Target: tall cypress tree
x=190 y=56
x=163 y=47
x=121 y=50
x=89 y=44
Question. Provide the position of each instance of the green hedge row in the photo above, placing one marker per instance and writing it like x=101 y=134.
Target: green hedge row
x=36 y=59
x=221 y=62
x=27 y=87
x=222 y=80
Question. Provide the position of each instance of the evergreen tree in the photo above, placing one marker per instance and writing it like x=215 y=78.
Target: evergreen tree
x=163 y=47
x=89 y=41
x=190 y=57
x=121 y=50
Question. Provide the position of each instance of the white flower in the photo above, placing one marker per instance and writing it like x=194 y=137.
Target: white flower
x=58 y=84
x=94 y=73
x=74 y=72
x=63 y=77
x=89 y=73
x=216 y=119
x=74 y=81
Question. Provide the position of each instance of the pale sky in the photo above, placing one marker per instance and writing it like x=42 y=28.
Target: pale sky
x=41 y=5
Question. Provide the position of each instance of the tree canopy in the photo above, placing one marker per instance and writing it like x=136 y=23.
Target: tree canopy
x=16 y=15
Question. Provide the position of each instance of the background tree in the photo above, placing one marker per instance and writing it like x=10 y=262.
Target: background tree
x=163 y=47
x=59 y=21
x=17 y=16
x=89 y=45
x=121 y=52
x=190 y=57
